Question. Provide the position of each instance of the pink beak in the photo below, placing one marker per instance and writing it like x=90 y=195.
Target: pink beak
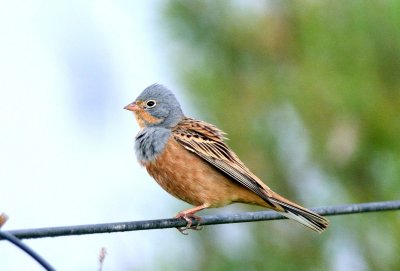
x=132 y=107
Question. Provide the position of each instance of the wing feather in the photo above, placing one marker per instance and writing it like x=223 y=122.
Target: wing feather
x=206 y=141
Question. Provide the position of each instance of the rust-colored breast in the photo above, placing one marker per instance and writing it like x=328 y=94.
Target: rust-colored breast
x=191 y=179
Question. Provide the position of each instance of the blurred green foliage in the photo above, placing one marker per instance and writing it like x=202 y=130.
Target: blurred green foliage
x=309 y=93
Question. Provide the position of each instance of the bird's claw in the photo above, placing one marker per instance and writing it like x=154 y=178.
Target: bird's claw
x=189 y=225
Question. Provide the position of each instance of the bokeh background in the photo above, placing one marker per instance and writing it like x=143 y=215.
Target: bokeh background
x=308 y=91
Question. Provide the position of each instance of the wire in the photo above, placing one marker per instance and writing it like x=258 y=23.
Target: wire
x=206 y=220
x=28 y=250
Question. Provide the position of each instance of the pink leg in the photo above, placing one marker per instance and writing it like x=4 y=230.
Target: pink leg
x=188 y=215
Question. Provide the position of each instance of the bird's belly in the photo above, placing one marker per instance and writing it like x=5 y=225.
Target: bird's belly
x=189 y=178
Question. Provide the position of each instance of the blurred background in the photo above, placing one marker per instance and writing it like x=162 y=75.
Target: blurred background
x=308 y=92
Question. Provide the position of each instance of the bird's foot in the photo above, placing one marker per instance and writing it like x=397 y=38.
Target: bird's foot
x=189 y=217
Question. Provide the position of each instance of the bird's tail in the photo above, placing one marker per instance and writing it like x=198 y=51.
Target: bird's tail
x=300 y=214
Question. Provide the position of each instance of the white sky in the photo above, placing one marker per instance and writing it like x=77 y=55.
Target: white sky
x=67 y=68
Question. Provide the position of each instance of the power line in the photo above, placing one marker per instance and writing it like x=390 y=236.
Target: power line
x=207 y=220
x=11 y=238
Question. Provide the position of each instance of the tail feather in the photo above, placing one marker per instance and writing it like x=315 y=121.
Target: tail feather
x=302 y=215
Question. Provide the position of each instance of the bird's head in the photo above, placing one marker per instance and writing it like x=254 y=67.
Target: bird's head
x=156 y=106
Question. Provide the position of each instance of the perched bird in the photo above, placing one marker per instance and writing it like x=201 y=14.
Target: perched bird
x=191 y=161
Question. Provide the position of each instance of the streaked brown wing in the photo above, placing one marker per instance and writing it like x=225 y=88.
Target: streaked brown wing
x=206 y=141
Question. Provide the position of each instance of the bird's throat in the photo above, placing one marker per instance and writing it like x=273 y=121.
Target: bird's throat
x=150 y=142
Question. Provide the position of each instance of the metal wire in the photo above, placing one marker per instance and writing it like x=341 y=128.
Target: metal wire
x=206 y=220
x=9 y=237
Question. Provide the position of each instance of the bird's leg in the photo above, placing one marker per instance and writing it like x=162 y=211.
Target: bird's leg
x=188 y=215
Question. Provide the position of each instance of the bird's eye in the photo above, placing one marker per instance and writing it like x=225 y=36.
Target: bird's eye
x=150 y=103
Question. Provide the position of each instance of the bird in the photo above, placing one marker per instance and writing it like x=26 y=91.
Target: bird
x=190 y=159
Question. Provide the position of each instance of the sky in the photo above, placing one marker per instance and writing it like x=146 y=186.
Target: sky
x=67 y=69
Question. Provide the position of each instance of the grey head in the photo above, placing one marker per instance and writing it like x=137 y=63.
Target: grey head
x=157 y=110
x=157 y=106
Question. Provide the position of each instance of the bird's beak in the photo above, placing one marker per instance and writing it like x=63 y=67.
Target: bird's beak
x=132 y=107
